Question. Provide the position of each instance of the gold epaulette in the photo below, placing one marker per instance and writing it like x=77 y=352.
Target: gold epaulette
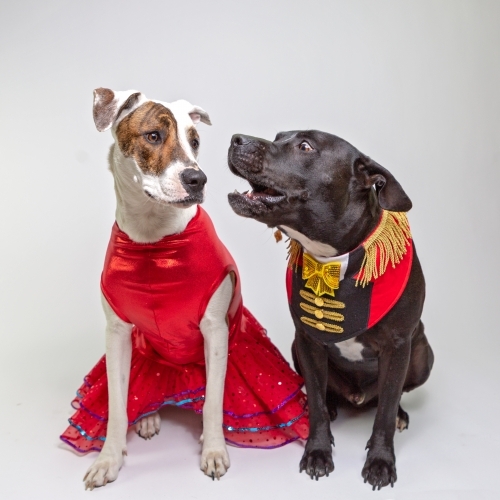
x=389 y=241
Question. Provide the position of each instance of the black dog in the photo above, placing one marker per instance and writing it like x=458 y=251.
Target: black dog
x=357 y=316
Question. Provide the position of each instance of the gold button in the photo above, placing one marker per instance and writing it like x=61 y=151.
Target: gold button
x=319 y=301
x=320 y=326
x=318 y=313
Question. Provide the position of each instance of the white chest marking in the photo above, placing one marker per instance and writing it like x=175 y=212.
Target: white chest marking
x=350 y=349
x=315 y=248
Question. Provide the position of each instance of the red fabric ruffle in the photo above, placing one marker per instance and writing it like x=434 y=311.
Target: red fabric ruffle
x=263 y=404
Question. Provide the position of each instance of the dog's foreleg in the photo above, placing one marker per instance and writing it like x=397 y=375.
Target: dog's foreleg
x=380 y=466
x=214 y=456
x=313 y=360
x=118 y=354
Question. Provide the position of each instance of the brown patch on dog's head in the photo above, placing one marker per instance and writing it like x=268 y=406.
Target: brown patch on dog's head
x=149 y=135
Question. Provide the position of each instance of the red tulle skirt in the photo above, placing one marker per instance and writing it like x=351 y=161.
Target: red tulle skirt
x=264 y=406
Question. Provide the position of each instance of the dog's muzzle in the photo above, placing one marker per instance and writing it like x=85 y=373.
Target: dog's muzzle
x=247 y=152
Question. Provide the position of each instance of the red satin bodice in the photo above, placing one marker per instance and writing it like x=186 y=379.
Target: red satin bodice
x=164 y=288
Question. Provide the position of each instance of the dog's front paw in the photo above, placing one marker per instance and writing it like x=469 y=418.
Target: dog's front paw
x=148 y=426
x=317 y=463
x=380 y=469
x=215 y=461
x=104 y=470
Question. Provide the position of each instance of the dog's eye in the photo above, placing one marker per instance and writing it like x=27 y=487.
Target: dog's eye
x=153 y=137
x=305 y=146
x=195 y=143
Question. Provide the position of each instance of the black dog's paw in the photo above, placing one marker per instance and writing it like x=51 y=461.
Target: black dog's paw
x=317 y=463
x=379 y=472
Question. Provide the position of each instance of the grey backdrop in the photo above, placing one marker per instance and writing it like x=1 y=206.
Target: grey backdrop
x=412 y=84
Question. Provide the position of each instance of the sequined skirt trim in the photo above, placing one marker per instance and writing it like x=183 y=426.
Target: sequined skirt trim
x=263 y=404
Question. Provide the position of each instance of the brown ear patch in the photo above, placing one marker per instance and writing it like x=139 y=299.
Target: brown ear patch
x=104 y=109
x=132 y=132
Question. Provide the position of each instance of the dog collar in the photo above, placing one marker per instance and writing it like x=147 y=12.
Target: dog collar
x=340 y=298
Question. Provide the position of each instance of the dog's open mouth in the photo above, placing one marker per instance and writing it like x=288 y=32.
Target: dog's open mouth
x=262 y=194
x=258 y=195
x=262 y=199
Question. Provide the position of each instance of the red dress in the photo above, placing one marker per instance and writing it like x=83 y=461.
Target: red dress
x=163 y=289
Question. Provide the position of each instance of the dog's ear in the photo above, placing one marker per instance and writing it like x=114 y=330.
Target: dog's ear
x=198 y=115
x=110 y=106
x=391 y=195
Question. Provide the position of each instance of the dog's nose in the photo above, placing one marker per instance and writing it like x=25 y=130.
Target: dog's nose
x=239 y=140
x=194 y=180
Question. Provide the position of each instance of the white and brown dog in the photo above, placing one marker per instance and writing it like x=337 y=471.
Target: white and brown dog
x=158 y=184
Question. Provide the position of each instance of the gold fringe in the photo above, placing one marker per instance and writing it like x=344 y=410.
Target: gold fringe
x=294 y=249
x=389 y=241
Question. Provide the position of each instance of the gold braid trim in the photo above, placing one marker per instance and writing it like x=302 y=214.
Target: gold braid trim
x=321 y=313
x=389 y=241
x=320 y=325
x=321 y=301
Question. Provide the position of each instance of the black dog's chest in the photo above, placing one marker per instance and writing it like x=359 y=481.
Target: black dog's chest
x=331 y=319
